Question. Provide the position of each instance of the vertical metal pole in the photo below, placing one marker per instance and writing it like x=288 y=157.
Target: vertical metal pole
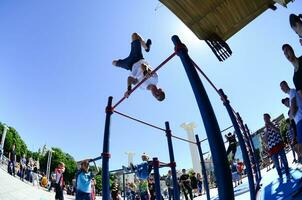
x=245 y=155
x=253 y=147
x=48 y=164
x=203 y=167
x=156 y=178
x=249 y=146
x=221 y=165
x=5 y=129
x=106 y=154
x=124 y=186
x=172 y=162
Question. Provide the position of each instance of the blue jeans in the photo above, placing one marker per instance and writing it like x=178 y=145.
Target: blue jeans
x=170 y=193
x=135 y=55
x=144 y=196
x=299 y=132
x=275 y=158
x=82 y=195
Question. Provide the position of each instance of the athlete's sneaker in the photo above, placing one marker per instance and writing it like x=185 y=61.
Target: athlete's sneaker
x=126 y=169
x=132 y=167
x=148 y=44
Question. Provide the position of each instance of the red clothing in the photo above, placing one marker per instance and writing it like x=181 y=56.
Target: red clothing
x=59 y=176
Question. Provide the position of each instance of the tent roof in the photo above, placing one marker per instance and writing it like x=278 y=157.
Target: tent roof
x=221 y=17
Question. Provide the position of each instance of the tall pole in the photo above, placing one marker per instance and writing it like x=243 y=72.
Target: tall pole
x=172 y=162
x=106 y=154
x=253 y=148
x=124 y=186
x=48 y=164
x=156 y=178
x=189 y=127
x=5 y=129
x=203 y=166
x=240 y=122
x=245 y=155
x=221 y=165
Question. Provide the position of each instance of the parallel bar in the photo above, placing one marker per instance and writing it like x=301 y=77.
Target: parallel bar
x=95 y=159
x=221 y=166
x=156 y=178
x=185 y=140
x=203 y=167
x=140 y=121
x=105 y=154
x=239 y=119
x=220 y=131
x=245 y=155
x=172 y=161
x=124 y=187
x=226 y=129
x=253 y=148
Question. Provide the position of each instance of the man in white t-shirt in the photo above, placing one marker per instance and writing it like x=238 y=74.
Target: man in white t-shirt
x=139 y=68
x=295 y=111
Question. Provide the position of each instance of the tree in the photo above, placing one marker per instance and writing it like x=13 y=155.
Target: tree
x=13 y=137
x=59 y=156
x=283 y=130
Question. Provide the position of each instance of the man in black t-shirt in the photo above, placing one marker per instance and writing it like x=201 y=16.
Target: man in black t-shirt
x=12 y=160
x=185 y=184
x=232 y=144
x=297 y=63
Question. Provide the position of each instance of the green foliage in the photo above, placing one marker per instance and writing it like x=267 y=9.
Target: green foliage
x=284 y=129
x=190 y=172
x=13 y=137
x=59 y=156
x=98 y=179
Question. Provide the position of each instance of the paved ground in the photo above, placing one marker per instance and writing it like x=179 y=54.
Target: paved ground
x=12 y=188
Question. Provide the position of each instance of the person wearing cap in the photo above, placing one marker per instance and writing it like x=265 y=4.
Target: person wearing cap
x=142 y=170
x=83 y=181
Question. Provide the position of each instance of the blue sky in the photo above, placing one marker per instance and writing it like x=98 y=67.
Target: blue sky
x=56 y=74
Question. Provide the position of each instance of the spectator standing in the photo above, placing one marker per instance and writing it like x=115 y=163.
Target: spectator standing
x=199 y=184
x=114 y=191
x=296 y=24
x=22 y=167
x=273 y=140
x=169 y=184
x=240 y=168
x=185 y=184
x=12 y=160
x=83 y=181
x=59 y=184
x=194 y=181
x=151 y=187
x=295 y=112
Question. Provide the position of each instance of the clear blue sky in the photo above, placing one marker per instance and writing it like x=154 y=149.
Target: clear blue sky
x=56 y=74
